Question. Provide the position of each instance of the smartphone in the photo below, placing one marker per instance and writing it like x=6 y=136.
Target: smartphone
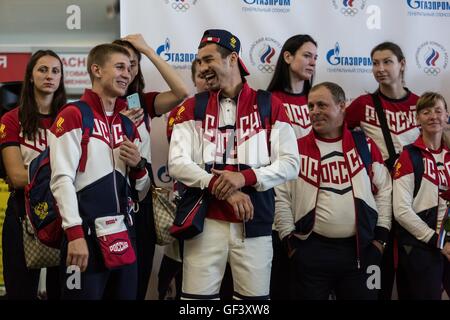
x=133 y=101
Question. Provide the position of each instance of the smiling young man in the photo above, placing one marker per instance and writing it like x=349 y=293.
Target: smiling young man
x=93 y=201
x=333 y=217
x=248 y=162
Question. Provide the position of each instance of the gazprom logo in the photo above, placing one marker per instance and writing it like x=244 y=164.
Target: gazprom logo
x=268 y=2
x=266 y=6
x=428 y=5
x=165 y=52
x=334 y=58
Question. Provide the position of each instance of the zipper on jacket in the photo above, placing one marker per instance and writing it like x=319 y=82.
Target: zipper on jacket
x=244 y=232
x=358 y=260
x=111 y=145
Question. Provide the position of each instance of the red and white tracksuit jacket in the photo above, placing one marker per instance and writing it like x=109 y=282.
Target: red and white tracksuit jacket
x=296 y=200
x=195 y=145
x=100 y=189
x=400 y=116
x=421 y=217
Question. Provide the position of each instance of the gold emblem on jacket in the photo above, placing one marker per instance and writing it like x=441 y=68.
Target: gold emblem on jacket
x=41 y=210
x=59 y=123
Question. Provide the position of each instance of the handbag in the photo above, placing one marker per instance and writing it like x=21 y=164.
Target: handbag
x=190 y=215
x=114 y=242
x=163 y=215
x=37 y=254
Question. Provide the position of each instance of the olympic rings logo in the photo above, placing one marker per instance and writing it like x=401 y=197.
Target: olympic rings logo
x=432 y=71
x=349 y=11
x=266 y=68
x=183 y=7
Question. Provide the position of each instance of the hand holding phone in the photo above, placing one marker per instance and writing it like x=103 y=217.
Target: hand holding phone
x=133 y=101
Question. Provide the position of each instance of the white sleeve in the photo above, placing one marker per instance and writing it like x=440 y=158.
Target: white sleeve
x=404 y=212
x=65 y=153
x=285 y=161
x=383 y=198
x=284 y=214
x=184 y=146
x=143 y=183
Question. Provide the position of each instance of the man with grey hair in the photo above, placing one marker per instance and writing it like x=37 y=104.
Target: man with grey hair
x=335 y=218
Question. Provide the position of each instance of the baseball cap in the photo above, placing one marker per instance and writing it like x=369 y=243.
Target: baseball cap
x=226 y=40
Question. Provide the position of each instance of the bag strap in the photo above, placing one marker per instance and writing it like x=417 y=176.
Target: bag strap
x=417 y=162
x=264 y=103
x=87 y=118
x=363 y=149
x=201 y=102
x=127 y=126
x=385 y=129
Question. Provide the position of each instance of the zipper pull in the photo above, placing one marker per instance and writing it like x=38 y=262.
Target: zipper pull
x=89 y=231
x=104 y=238
x=243 y=231
x=358 y=263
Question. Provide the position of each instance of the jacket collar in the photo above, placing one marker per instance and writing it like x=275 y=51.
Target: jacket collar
x=93 y=100
x=243 y=94
x=419 y=143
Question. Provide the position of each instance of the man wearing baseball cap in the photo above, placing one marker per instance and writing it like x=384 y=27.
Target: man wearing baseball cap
x=237 y=157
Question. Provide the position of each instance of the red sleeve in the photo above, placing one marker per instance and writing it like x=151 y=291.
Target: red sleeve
x=68 y=119
x=185 y=111
x=354 y=113
x=150 y=104
x=403 y=166
x=171 y=121
x=10 y=128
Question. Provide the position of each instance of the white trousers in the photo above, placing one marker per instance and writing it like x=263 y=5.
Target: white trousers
x=206 y=255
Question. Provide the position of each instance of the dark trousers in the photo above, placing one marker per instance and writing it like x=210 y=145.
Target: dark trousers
x=280 y=273
x=22 y=283
x=388 y=269
x=145 y=244
x=424 y=269
x=119 y=284
x=446 y=276
x=170 y=269
x=323 y=265
x=97 y=282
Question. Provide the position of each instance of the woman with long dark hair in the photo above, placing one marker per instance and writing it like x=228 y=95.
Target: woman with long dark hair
x=23 y=136
x=291 y=83
x=293 y=78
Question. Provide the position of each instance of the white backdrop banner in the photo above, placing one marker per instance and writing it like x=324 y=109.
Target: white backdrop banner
x=345 y=30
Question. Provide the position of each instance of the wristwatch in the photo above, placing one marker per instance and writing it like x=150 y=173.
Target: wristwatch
x=141 y=164
x=383 y=243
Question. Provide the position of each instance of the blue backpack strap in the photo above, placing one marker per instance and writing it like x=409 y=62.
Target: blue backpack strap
x=264 y=102
x=87 y=118
x=363 y=149
x=201 y=102
x=127 y=126
x=417 y=162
